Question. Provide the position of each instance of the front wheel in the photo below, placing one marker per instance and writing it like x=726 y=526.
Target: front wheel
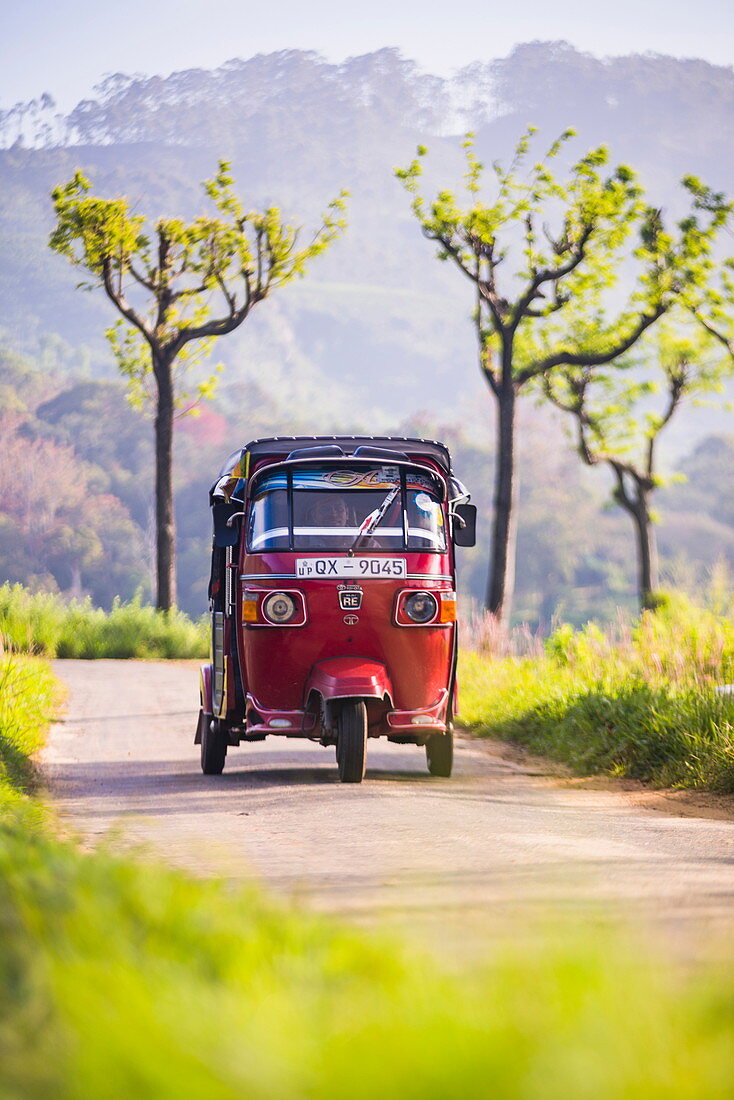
x=351 y=742
x=213 y=746
x=440 y=753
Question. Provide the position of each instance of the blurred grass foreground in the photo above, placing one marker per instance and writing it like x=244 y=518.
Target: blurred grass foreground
x=121 y=978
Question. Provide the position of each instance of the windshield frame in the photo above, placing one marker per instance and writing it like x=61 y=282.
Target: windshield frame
x=440 y=492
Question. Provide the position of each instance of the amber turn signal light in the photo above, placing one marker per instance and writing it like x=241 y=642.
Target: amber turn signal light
x=448 y=607
x=250 y=603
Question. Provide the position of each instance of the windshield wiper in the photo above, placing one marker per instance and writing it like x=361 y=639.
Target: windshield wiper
x=370 y=522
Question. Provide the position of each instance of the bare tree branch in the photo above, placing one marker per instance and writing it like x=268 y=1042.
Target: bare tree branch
x=595 y=359
x=229 y=298
x=676 y=386
x=548 y=274
x=140 y=278
x=622 y=496
x=118 y=299
x=713 y=331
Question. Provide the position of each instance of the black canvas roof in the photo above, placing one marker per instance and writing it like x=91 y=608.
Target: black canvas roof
x=282 y=446
x=379 y=448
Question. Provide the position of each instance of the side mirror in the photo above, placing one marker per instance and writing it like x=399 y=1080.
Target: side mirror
x=464 y=524
x=226 y=533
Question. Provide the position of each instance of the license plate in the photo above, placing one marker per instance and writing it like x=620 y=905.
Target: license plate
x=350 y=567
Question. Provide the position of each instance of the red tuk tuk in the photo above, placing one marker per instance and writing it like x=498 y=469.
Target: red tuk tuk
x=333 y=597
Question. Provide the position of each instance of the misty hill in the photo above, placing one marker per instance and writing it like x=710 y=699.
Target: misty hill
x=663 y=115
x=377 y=314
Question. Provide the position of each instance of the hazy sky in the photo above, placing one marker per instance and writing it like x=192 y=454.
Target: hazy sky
x=65 y=46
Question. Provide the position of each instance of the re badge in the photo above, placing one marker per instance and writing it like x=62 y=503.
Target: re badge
x=350 y=597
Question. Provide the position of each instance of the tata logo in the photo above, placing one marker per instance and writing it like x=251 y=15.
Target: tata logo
x=350 y=599
x=351 y=620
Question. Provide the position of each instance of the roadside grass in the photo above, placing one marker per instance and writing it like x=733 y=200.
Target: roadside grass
x=27 y=695
x=52 y=627
x=637 y=701
x=124 y=978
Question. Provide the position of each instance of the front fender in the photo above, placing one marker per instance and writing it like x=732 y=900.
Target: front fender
x=349 y=678
x=205 y=688
x=205 y=699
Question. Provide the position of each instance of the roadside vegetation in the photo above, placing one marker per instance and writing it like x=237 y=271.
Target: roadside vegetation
x=27 y=691
x=51 y=626
x=630 y=700
x=122 y=978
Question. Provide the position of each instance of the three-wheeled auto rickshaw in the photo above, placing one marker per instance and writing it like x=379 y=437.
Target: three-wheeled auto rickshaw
x=333 y=597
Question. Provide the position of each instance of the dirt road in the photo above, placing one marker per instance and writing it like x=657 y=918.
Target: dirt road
x=495 y=844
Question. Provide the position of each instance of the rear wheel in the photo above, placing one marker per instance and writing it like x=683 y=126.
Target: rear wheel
x=213 y=746
x=351 y=742
x=440 y=753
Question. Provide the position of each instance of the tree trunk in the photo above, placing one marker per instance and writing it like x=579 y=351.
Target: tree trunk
x=647 y=553
x=501 y=584
x=164 y=517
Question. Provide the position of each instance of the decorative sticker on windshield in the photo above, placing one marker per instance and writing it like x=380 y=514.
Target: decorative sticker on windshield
x=383 y=477
x=386 y=478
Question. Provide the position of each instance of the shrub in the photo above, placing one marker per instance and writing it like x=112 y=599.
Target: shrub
x=636 y=701
x=26 y=700
x=53 y=627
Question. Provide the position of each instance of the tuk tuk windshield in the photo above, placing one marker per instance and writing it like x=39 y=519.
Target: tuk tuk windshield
x=324 y=507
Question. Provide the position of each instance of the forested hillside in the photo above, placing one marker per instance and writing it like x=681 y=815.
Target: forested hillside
x=298 y=129
x=378 y=336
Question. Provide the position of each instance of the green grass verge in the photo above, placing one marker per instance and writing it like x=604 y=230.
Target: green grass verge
x=27 y=693
x=121 y=978
x=47 y=625
x=640 y=703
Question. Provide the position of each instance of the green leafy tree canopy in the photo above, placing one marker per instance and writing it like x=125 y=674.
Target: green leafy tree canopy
x=168 y=285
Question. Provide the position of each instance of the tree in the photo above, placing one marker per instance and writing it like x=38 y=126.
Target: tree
x=59 y=527
x=559 y=276
x=164 y=285
x=615 y=427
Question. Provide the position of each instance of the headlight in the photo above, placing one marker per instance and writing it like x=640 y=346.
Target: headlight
x=279 y=608
x=421 y=607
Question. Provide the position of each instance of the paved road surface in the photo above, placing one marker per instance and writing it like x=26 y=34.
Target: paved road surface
x=490 y=847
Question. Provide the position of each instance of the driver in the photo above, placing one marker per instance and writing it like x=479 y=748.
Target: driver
x=329 y=511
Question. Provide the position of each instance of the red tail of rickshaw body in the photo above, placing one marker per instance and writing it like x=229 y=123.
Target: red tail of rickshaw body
x=333 y=597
